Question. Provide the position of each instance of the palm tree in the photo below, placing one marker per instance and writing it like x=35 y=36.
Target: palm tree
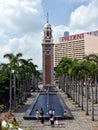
x=63 y=74
x=28 y=68
x=81 y=70
x=94 y=58
x=59 y=74
x=93 y=69
x=13 y=65
x=4 y=84
x=86 y=69
x=75 y=71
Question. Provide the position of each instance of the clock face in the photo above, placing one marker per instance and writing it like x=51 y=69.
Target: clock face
x=48 y=45
x=48 y=52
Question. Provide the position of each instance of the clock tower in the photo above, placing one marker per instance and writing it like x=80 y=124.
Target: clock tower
x=47 y=55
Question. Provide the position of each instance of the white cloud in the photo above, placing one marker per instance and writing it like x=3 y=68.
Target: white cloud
x=82 y=1
x=58 y=31
x=20 y=28
x=29 y=46
x=82 y=19
x=85 y=17
x=20 y=16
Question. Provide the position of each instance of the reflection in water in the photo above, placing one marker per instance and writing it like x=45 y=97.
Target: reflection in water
x=47 y=103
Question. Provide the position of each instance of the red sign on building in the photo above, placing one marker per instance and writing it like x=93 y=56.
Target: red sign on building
x=78 y=36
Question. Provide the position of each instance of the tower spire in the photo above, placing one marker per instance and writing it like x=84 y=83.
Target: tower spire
x=47 y=18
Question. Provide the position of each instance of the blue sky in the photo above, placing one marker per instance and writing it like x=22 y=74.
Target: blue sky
x=22 y=23
x=60 y=10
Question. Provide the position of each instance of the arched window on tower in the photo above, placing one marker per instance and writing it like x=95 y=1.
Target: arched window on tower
x=50 y=34
x=47 y=33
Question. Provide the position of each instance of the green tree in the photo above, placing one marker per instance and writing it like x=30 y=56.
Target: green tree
x=94 y=58
x=13 y=66
x=28 y=71
x=62 y=71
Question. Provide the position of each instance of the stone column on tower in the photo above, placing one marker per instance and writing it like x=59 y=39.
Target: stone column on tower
x=48 y=56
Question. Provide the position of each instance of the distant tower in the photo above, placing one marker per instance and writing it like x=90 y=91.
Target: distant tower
x=47 y=55
x=66 y=33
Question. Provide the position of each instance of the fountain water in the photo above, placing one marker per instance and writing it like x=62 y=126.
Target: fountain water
x=48 y=99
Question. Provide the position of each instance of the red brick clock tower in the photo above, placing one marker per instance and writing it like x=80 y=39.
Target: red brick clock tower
x=48 y=56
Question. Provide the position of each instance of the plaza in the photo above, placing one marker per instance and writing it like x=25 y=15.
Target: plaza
x=61 y=53
x=80 y=121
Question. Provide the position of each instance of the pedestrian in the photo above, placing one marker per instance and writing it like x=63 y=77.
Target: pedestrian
x=52 y=121
x=14 y=119
x=56 y=121
x=42 y=119
x=50 y=113
x=37 y=114
x=65 y=113
x=42 y=115
x=53 y=111
x=41 y=112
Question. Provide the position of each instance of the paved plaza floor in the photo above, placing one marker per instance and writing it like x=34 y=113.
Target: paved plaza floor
x=80 y=121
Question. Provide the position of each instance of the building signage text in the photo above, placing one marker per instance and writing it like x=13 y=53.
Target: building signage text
x=78 y=36
x=73 y=37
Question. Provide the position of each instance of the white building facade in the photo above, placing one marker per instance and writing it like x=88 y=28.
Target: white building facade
x=76 y=46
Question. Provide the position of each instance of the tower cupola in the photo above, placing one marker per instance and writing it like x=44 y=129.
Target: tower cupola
x=47 y=32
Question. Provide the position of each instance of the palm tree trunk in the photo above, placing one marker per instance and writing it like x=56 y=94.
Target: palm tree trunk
x=79 y=94
x=76 y=91
x=92 y=103
x=86 y=85
x=82 y=107
x=63 y=82
x=21 y=92
x=10 y=93
x=70 y=82
x=18 y=85
x=66 y=84
x=96 y=89
x=14 y=84
x=70 y=87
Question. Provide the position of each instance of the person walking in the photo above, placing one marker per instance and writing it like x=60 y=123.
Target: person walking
x=52 y=121
x=53 y=112
x=37 y=114
x=65 y=113
x=42 y=115
x=50 y=113
x=41 y=112
x=56 y=121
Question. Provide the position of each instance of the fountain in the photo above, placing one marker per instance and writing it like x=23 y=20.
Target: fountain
x=47 y=99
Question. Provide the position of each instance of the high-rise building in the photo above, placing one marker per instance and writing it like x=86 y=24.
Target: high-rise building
x=48 y=55
x=66 y=33
x=76 y=46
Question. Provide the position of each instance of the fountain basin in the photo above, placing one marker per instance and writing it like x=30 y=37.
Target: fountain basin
x=47 y=101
